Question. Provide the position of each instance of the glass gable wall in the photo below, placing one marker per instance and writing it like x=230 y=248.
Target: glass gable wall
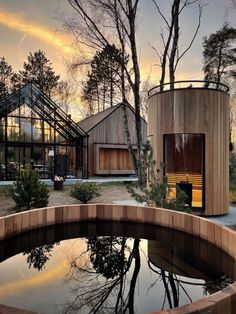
x=184 y=156
x=30 y=136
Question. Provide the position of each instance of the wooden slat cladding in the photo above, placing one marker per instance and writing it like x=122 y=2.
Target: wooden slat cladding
x=220 y=236
x=199 y=111
x=114 y=159
x=111 y=131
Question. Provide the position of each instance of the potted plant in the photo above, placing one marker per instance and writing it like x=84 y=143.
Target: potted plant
x=58 y=182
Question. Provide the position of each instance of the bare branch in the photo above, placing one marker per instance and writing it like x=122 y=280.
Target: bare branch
x=156 y=51
x=161 y=14
x=193 y=38
x=88 y=20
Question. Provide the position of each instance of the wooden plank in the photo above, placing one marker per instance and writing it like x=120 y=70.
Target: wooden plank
x=199 y=111
x=111 y=131
x=113 y=159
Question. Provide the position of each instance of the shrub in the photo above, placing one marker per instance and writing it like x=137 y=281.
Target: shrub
x=158 y=193
x=232 y=170
x=28 y=192
x=85 y=191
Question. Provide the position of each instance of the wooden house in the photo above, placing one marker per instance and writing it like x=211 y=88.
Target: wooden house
x=107 y=144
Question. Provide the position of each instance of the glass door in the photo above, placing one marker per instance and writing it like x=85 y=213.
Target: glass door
x=184 y=157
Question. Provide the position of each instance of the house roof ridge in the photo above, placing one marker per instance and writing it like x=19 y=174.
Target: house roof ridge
x=97 y=118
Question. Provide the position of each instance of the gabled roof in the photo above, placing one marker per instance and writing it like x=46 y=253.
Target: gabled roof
x=42 y=105
x=89 y=123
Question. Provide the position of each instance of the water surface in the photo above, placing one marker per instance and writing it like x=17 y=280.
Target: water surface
x=109 y=267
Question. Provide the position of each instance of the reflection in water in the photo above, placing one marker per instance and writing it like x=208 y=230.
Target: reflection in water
x=218 y=283
x=109 y=269
x=106 y=281
x=38 y=256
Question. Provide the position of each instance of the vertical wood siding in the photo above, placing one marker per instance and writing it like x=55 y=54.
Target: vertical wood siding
x=196 y=111
x=111 y=131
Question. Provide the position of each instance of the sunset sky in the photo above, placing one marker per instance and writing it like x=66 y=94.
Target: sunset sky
x=29 y=25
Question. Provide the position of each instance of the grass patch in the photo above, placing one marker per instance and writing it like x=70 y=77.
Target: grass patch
x=232 y=196
x=112 y=183
x=5 y=191
x=118 y=184
x=232 y=191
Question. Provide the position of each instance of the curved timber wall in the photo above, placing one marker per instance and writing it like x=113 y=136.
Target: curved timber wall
x=221 y=302
x=200 y=111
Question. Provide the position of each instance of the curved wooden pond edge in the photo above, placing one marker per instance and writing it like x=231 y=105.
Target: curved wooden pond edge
x=218 y=303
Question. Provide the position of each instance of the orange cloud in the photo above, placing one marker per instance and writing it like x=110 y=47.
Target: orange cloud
x=39 y=279
x=59 y=266
x=16 y=22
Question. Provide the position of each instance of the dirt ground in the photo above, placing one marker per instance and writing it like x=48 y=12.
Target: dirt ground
x=109 y=193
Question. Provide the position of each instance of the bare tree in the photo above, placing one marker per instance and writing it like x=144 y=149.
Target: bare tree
x=171 y=54
x=145 y=87
x=107 y=22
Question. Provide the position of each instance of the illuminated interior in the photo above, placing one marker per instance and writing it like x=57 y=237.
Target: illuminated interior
x=184 y=157
x=35 y=132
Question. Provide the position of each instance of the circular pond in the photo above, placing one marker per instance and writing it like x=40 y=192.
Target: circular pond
x=109 y=267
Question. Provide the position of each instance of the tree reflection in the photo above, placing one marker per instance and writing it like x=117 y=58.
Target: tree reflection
x=102 y=273
x=173 y=286
x=218 y=283
x=107 y=255
x=38 y=256
x=103 y=278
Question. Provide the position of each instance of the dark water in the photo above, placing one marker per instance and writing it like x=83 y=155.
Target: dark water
x=109 y=268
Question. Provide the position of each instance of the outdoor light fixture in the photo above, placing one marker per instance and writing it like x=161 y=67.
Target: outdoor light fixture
x=51 y=153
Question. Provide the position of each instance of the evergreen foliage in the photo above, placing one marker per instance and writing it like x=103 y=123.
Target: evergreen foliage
x=104 y=80
x=107 y=255
x=158 y=193
x=6 y=74
x=220 y=54
x=28 y=192
x=85 y=191
x=39 y=256
x=38 y=70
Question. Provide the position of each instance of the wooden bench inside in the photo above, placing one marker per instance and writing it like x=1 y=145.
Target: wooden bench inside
x=195 y=179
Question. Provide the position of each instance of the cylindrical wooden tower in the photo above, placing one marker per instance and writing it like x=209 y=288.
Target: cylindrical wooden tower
x=188 y=129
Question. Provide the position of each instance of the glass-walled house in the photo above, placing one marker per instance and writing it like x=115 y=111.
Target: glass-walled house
x=35 y=132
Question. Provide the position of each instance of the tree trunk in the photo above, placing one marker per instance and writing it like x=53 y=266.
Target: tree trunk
x=218 y=73
x=111 y=88
x=163 y=275
x=137 y=266
x=136 y=92
x=175 y=18
x=166 y=49
x=174 y=290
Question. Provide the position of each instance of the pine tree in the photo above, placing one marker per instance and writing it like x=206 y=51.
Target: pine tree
x=6 y=74
x=28 y=192
x=16 y=81
x=219 y=54
x=38 y=70
x=90 y=94
x=104 y=80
